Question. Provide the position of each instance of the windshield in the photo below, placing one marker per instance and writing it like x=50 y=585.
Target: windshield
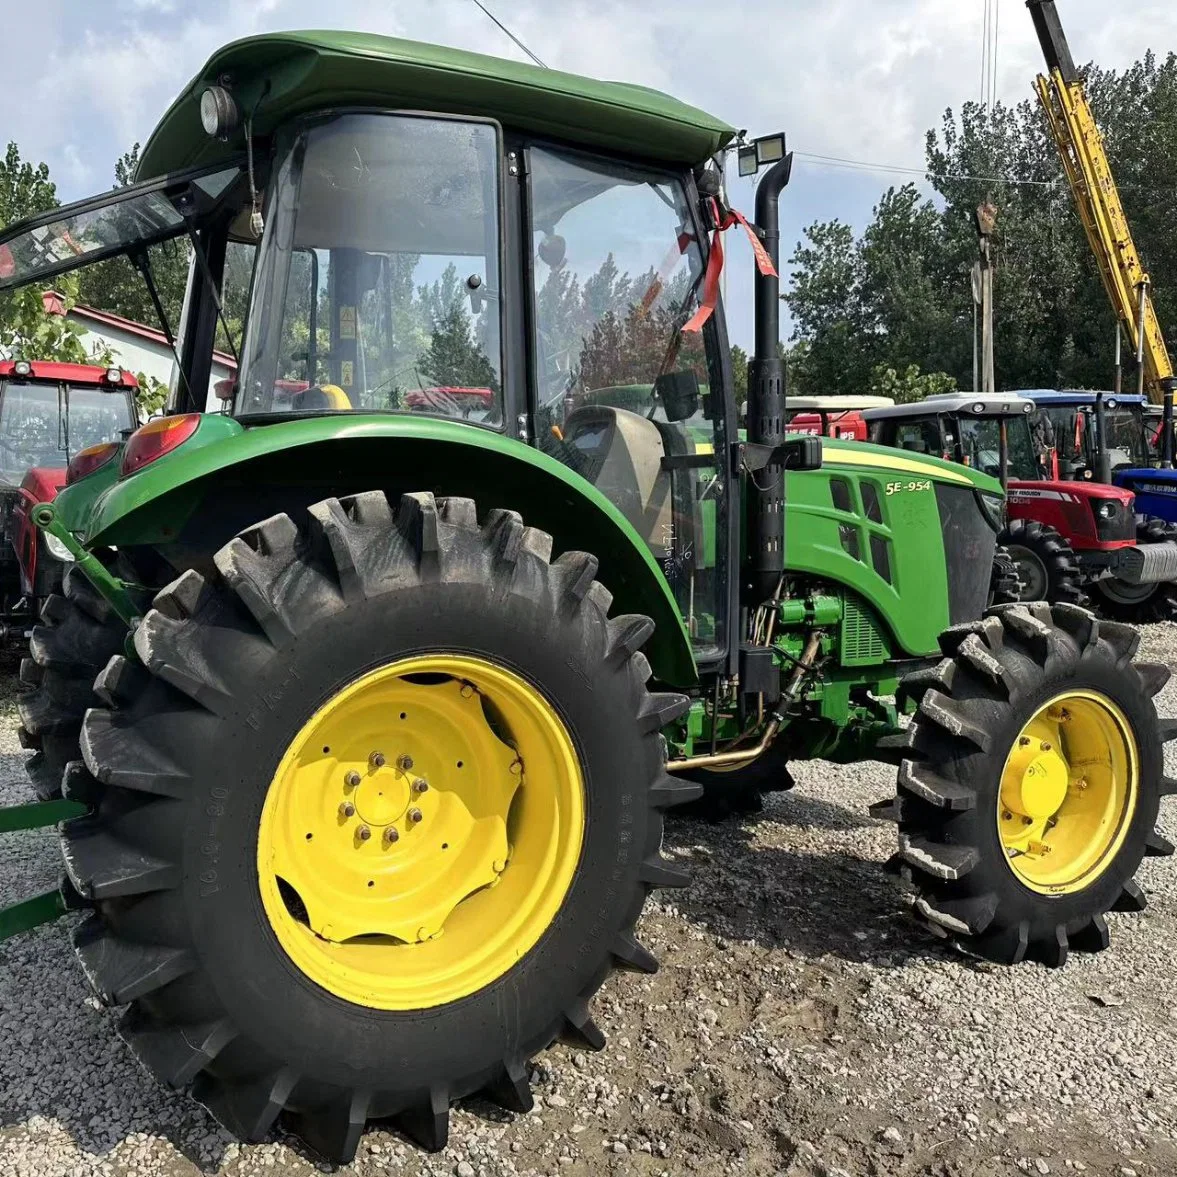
x=378 y=281
x=1076 y=436
x=980 y=439
x=1127 y=436
x=46 y=424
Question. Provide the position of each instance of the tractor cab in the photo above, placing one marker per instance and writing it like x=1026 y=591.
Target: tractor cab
x=832 y=416
x=988 y=433
x=49 y=413
x=1132 y=456
x=1074 y=422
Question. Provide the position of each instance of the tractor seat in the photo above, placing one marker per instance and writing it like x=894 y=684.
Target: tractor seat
x=321 y=396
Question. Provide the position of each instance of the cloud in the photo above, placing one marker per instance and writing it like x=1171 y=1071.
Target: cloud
x=862 y=79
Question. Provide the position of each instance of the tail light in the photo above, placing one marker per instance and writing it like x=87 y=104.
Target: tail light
x=90 y=459
x=157 y=438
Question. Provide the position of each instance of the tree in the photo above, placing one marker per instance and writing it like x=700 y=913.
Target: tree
x=25 y=188
x=26 y=328
x=909 y=384
x=454 y=359
x=898 y=294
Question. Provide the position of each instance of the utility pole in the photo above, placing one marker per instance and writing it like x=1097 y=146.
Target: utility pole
x=986 y=222
x=975 y=286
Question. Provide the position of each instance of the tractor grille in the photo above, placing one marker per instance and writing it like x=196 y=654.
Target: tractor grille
x=863 y=643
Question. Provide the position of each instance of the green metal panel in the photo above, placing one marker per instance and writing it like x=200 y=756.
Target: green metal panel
x=826 y=541
x=311 y=70
x=344 y=453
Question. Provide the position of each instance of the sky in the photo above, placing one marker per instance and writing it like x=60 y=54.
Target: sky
x=855 y=79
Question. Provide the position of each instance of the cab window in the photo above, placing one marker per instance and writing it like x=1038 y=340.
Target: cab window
x=923 y=437
x=378 y=281
x=622 y=393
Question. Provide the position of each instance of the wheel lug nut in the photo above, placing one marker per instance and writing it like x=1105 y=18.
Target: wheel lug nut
x=1023 y=741
x=517 y=767
x=1045 y=746
x=364 y=833
x=404 y=763
x=392 y=834
x=352 y=779
x=376 y=760
x=415 y=816
x=347 y=809
x=467 y=690
x=420 y=785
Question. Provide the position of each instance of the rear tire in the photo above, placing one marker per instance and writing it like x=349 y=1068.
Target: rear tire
x=955 y=821
x=186 y=747
x=1045 y=562
x=78 y=635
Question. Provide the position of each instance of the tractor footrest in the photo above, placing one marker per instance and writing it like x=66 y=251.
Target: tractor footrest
x=1147 y=563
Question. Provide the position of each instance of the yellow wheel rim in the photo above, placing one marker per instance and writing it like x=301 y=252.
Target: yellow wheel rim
x=421 y=832
x=1068 y=792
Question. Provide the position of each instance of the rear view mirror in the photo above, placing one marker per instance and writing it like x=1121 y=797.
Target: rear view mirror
x=679 y=394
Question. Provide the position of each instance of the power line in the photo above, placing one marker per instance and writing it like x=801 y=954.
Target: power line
x=510 y=34
x=835 y=161
x=993 y=53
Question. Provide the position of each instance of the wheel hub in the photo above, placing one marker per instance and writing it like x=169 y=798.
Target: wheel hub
x=1068 y=792
x=394 y=818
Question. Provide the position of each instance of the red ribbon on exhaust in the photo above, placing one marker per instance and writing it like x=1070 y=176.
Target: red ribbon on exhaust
x=710 y=299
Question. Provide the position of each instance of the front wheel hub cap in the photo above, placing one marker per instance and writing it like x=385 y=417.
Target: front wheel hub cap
x=396 y=896
x=1069 y=789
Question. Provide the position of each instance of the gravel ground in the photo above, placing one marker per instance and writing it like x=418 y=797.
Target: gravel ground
x=800 y=1026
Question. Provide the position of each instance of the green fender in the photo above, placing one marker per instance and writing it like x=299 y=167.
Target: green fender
x=247 y=473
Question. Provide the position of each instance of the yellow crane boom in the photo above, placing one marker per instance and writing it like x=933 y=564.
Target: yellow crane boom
x=1089 y=174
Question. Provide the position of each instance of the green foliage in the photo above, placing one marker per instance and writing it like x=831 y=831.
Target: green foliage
x=25 y=188
x=899 y=294
x=454 y=358
x=152 y=395
x=909 y=384
x=739 y=376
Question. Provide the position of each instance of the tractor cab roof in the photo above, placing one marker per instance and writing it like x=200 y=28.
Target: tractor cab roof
x=277 y=76
x=1071 y=397
x=49 y=371
x=836 y=404
x=957 y=404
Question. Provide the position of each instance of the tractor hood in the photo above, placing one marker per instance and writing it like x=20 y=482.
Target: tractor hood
x=884 y=459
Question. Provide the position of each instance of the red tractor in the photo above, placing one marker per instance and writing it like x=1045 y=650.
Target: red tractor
x=1064 y=536
x=57 y=422
x=832 y=416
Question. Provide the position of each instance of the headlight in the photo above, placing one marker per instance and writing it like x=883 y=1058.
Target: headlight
x=1106 y=509
x=56 y=548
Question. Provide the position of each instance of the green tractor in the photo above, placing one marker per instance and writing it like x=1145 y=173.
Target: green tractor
x=367 y=696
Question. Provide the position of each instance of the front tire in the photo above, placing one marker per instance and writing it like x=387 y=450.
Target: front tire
x=1030 y=781
x=233 y=910
x=1139 y=604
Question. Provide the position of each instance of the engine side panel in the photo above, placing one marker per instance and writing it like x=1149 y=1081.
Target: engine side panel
x=882 y=534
